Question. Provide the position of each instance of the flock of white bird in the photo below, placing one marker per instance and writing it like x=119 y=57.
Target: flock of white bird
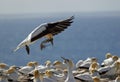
x=88 y=70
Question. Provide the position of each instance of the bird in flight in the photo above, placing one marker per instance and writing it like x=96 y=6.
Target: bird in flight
x=47 y=30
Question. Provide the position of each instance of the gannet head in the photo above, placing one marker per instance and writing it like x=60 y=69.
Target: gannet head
x=94 y=59
x=68 y=62
x=13 y=67
x=115 y=58
x=35 y=63
x=48 y=63
x=49 y=73
x=65 y=71
x=10 y=70
x=30 y=64
x=3 y=65
x=57 y=63
x=96 y=79
x=108 y=55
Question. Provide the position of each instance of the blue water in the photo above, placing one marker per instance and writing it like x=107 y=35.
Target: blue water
x=86 y=37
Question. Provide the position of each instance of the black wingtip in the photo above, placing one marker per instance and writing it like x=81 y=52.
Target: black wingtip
x=72 y=17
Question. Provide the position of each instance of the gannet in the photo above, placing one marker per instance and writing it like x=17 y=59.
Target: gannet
x=79 y=63
x=86 y=63
x=87 y=76
x=43 y=77
x=109 y=61
x=3 y=66
x=70 y=66
x=108 y=55
x=42 y=68
x=27 y=69
x=12 y=73
x=94 y=66
x=54 y=77
x=109 y=70
x=47 y=30
x=93 y=69
x=59 y=65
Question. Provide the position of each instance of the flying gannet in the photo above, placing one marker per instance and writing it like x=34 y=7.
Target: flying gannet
x=47 y=30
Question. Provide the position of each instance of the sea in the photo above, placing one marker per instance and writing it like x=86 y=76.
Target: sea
x=90 y=35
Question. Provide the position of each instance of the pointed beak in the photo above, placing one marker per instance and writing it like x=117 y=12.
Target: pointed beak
x=63 y=58
x=19 y=46
x=16 y=49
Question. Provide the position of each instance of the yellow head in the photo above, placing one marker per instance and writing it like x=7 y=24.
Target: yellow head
x=48 y=63
x=115 y=58
x=69 y=63
x=65 y=71
x=96 y=79
x=10 y=70
x=48 y=73
x=94 y=65
x=108 y=55
x=57 y=63
x=3 y=65
x=35 y=63
x=30 y=64
x=94 y=60
x=13 y=67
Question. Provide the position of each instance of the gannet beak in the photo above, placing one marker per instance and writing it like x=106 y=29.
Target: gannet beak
x=63 y=58
x=15 y=49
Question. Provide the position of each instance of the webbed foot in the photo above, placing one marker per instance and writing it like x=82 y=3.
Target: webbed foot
x=42 y=45
x=27 y=49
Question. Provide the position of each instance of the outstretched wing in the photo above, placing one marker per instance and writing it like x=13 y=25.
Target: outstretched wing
x=59 y=26
x=52 y=28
